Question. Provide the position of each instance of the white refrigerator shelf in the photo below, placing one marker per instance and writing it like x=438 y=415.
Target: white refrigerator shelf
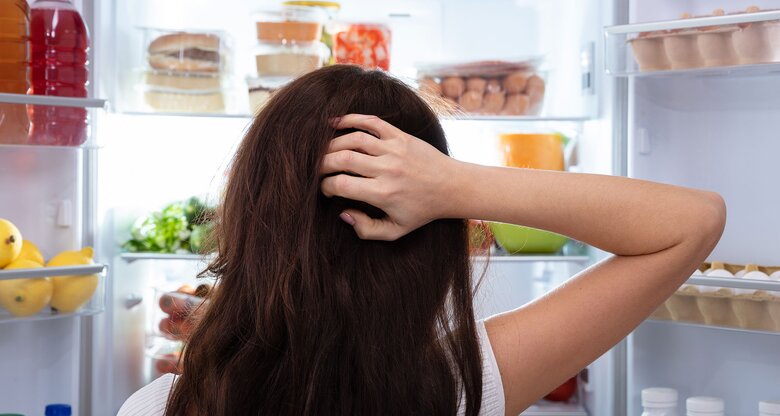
x=711 y=327
x=545 y=408
x=735 y=283
x=52 y=271
x=531 y=258
x=48 y=314
x=52 y=100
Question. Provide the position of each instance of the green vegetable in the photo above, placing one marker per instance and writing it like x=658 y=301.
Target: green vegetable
x=170 y=230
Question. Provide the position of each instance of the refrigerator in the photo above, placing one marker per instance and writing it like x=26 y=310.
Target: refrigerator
x=700 y=124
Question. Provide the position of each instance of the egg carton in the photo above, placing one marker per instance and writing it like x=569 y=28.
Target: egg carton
x=708 y=46
x=725 y=307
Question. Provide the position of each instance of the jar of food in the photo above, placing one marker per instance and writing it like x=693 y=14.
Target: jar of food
x=364 y=44
x=705 y=406
x=290 y=26
x=659 y=401
x=289 y=60
x=330 y=9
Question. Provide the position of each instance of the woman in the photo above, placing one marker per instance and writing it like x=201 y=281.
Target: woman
x=344 y=277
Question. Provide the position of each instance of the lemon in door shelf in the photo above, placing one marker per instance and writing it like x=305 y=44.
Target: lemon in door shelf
x=25 y=297
x=72 y=292
x=532 y=151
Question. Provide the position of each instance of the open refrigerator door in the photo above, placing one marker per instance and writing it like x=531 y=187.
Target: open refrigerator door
x=698 y=83
x=185 y=79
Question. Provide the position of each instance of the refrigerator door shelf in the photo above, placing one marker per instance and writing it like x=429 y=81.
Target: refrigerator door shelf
x=660 y=321
x=555 y=409
x=94 y=306
x=131 y=257
x=53 y=101
x=696 y=45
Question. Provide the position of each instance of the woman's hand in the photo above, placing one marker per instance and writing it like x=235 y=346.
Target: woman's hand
x=403 y=176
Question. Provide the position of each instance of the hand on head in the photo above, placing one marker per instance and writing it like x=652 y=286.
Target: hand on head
x=398 y=173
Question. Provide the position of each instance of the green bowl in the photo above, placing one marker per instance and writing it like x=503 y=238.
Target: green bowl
x=518 y=239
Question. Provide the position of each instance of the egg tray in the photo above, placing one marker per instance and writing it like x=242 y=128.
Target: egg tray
x=710 y=46
x=758 y=311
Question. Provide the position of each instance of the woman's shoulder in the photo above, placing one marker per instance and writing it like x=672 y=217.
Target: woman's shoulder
x=149 y=400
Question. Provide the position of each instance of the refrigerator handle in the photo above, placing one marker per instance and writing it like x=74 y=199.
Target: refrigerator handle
x=132 y=300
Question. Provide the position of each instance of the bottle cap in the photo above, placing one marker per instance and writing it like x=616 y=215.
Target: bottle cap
x=769 y=408
x=58 y=410
x=705 y=404
x=659 y=396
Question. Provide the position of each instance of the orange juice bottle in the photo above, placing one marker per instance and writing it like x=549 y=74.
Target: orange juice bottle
x=14 y=48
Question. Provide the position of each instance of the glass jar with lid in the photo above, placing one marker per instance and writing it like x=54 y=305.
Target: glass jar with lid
x=331 y=11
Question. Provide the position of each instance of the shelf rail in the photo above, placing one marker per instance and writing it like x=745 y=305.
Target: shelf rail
x=52 y=100
x=735 y=283
x=730 y=19
x=52 y=272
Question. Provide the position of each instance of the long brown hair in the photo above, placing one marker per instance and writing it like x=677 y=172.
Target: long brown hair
x=308 y=319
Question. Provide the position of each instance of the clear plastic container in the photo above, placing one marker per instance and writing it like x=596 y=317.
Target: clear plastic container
x=171 y=318
x=261 y=89
x=186 y=51
x=659 y=401
x=289 y=60
x=293 y=24
x=185 y=102
x=164 y=356
x=364 y=44
x=705 y=406
x=331 y=10
x=721 y=39
x=509 y=88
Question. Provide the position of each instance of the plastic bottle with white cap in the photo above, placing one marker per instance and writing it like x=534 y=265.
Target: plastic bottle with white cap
x=659 y=401
x=705 y=406
x=769 y=408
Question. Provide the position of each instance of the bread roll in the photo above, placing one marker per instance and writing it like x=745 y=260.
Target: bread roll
x=471 y=101
x=453 y=87
x=515 y=82
x=493 y=102
x=494 y=85
x=186 y=52
x=476 y=84
x=516 y=105
x=178 y=81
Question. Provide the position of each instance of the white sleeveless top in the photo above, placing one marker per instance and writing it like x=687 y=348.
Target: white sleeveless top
x=151 y=399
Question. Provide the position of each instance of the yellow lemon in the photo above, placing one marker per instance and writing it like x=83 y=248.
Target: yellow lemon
x=72 y=292
x=25 y=297
x=30 y=252
x=10 y=242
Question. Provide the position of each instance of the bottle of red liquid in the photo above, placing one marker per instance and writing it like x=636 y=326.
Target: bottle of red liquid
x=58 y=66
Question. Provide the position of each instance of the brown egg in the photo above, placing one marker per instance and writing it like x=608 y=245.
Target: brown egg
x=516 y=105
x=476 y=84
x=493 y=102
x=535 y=81
x=453 y=87
x=753 y=9
x=429 y=86
x=471 y=101
x=514 y=83
x=493 y=85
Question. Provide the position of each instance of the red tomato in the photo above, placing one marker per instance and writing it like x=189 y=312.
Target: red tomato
x=564 y=392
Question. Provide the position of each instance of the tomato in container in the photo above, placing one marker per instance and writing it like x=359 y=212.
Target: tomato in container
x=564 y=392
x=364 y=44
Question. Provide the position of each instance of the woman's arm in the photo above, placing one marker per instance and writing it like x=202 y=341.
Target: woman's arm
x=658 y=233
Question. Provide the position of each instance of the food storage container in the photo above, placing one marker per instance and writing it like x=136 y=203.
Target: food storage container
x=192 y=51
x=331 y=10
x=289 y=60
x=510 y=88
x=517 y=239
x=720 y=39
x=293 y=24
x=185 y=102
x=261 y=89
x=364 y=44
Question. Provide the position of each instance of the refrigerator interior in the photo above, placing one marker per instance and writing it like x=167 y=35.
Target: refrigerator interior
x=152 y=159
x=715 y=132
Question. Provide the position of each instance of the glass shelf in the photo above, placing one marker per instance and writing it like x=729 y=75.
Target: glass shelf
x=52 y=100
x=656 y=321
x=498 y=257
x=94 y=306
x=51 y=271
x=739 y=43
x=131 y=257
x=545 y=408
